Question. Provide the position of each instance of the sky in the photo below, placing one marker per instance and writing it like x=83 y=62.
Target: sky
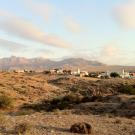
x=102 y=30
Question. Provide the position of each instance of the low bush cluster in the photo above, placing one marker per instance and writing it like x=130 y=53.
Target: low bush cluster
x=5 y=102
x=60 y=103
x=127 y=89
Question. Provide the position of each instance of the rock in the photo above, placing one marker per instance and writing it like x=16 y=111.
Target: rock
x=81 y=128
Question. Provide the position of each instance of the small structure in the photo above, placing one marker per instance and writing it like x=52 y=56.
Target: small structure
x=84 y=74
x=56 y=71
x=93 y=74
x=132 y=74
x=18 y=71
x=59 y=71
x=67 y=72
x=29 y=71
x=125 y=74
x=104 y=75
x=80 y=73
x=76 y=73
x=53 y=71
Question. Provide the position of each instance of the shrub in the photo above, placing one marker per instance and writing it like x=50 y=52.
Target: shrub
x=64 y=102
x=5 y=101
x=73 y=98
x=58 y=103
x=127 y=89
x=114 y=74
x=23 y=128
x=24 y=112
x=117 y=121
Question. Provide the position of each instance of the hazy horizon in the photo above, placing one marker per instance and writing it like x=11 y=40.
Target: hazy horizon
x=94 y=30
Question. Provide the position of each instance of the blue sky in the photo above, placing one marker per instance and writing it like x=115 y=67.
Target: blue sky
x=92 y=29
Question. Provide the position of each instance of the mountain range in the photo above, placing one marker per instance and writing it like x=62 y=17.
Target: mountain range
x=41 y=63
x=14 y=62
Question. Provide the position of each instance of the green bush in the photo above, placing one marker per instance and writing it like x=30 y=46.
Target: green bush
x=114 y=74
x=5 y=102
x=127 y=89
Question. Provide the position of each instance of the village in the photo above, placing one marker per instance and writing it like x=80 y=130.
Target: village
x=80 y=73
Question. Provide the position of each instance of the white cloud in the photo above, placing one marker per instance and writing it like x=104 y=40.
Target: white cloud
x=11 y=45
x=89 y=54
x=3 y=13
x=110 y=50
x=44 y=53
x=125 y=13
x=22 y=28
x=73 y=25
x=41 y=9
x=45 y=11
x=114 y=54
x=110 y=53
x=6 y=14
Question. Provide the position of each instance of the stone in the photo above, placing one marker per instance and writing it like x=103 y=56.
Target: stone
x=81 y=128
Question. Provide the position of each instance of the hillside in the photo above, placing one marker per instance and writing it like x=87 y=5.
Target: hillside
x=49 y=105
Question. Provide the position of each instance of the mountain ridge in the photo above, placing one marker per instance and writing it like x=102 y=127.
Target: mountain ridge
x=35 y=63
x=13 y=62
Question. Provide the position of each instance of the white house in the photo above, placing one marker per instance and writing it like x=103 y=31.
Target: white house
x=76 y=73
x=80 y=73
x=84 y=73
x=125 y=74
x=104 y=75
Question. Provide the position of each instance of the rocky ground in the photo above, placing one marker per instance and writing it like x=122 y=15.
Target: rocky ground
x=49 y=105
x=59 y=124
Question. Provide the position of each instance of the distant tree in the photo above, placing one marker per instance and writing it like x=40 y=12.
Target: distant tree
x=114 y=74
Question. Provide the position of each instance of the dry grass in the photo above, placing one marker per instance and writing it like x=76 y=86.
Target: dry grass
x=71 y=100
x=23 y=128
x=5 y=102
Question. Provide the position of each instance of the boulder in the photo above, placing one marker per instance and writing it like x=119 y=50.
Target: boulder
x=81 y=128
